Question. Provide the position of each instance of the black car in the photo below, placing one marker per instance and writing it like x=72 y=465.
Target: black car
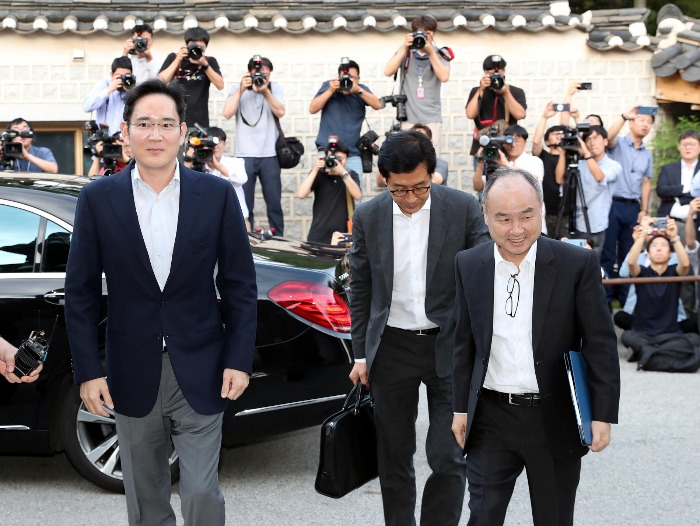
x=302 y=354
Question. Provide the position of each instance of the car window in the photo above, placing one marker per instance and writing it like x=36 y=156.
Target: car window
x=54 y=257
x=18 y=233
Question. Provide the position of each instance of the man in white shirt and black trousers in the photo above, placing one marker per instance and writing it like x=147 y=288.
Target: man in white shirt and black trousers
x=522 y=302
x=402 y=305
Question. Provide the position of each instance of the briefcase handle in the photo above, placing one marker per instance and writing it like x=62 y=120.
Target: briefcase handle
x=356 y=395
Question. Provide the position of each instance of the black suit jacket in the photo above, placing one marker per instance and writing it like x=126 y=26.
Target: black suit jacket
x=456 y=223
x=107 y=238
x=669 y=186
x=569 y=313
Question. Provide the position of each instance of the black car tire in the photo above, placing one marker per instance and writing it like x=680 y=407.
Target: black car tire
x=91 y=444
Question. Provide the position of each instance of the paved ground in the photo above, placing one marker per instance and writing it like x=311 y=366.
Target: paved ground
x=647 y=477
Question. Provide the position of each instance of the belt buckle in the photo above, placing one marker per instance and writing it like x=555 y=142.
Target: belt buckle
x=510 y=398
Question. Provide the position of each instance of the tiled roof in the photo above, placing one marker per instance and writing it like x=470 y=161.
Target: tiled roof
x=608 y=29
x=679 y=45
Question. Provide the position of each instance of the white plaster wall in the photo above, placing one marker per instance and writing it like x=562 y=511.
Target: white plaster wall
x=41 y=82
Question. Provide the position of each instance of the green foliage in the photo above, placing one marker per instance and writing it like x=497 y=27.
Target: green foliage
x=667 y=137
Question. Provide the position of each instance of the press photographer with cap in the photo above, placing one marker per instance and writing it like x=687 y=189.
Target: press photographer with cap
x=32 y=158
x=137 y=48
x=494 y=99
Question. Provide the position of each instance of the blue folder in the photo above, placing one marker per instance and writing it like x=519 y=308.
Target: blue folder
x=577 y=372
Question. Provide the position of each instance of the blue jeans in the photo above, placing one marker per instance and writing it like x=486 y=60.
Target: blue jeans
x=269 y=172
x=618 y=242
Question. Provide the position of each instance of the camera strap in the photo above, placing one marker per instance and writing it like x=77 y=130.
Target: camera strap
x=262 y=108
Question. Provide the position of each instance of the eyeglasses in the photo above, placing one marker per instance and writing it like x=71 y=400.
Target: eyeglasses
x=513 y=299
x=416 y=191
x=148 y=127
x=691 y=144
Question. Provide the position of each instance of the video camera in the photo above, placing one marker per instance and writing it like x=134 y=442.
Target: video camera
x=331 y=158
x=203 y=147
x=420 y=39
x=31 y=354
x=368 y=147
x=491 y=143
x=570 y=139
x=10 y=148
x=258 y=76
x=194 y=51
x=111 y=149
x=398 y=102
x=140 y=45
x=345 y=78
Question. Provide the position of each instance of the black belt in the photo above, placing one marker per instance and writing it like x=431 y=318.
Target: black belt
x=419 y=332
x=625 y=200
x=521 y=399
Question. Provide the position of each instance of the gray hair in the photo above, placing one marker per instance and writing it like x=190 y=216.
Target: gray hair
x=503 y=173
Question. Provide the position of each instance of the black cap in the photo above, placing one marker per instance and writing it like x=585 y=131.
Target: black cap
x=494 y=61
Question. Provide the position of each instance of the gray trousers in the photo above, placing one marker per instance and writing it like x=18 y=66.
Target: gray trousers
x=145 y=446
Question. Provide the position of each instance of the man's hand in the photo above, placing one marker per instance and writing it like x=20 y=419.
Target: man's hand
x=601 y=436
x=459 y=428
x=334 y=84
x=359 y=372
x=631 y=113
x=246 y=82
x=116 y=84
x=235 y=382
x=7 y=364
x=95 y=395
x=671 y=228
x=128 y=46
x=408 y=40
x=549 y=110
x=694 y=206
x=337 y=170
x=182 y=54
x=484 y=83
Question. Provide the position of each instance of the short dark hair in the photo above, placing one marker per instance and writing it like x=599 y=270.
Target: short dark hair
x=18 y=120
x=213 y=131
x=656 y=236
x=155 y=87
x=122 y=62
x=418 y=126
x=504 y=173
x=264 y=61
x=426 y=22
x=341 y=146
x=552 y=129
x=196 y=33
x=597 y=117
x=689 y=134
x=142 y=28
x=516 y=130
x=404 y=151
x=350 y=64
x=597 y=129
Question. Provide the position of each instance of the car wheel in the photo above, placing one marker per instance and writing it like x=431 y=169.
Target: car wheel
x=91 y=444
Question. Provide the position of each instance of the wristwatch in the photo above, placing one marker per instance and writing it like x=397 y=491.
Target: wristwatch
x=205 y=67
x=346 y=175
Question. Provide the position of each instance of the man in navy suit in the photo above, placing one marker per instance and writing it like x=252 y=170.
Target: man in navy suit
x=522 y=302
x=675 y=181
x=160 y=232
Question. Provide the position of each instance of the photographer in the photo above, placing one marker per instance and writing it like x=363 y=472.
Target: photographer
x=7 y=364
x=597 y=174
x=550 y=156
x=343 y=110
x=98 y=163
x=107 y=96
x=31 y=158
x=220 y=165
x=137 y=47
x=195 y=72
x=423 y=70
x=494 y=99
x=257 y=104
x=331 y=181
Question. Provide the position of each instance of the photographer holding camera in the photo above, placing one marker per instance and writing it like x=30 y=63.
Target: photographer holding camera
x=137 y=47
x=342 y=102
x=102 y=166
x=107 y=97
x=597 y=174
x=424 y=67
x=258 y=104
x=195 y=72
x=18 y=153
x=220 y=165
x=331 y=181
x=494 y=99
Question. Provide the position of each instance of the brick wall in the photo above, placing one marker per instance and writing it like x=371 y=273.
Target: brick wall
x=42 y=83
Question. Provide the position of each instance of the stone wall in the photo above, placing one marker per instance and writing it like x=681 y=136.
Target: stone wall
x=42 y=82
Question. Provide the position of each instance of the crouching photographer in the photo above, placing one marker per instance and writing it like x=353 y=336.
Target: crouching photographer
x=18 y=153
x=109 y=153
x=335 y=188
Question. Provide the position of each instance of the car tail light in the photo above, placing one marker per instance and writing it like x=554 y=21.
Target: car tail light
x=314 y=302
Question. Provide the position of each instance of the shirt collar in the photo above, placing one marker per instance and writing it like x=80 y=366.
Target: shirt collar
x=630 y=142
x=136 y=175
x=529 y=259
x=397 y=211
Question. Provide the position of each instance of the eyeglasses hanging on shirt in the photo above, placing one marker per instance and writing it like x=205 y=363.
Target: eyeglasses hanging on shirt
x=513 y=299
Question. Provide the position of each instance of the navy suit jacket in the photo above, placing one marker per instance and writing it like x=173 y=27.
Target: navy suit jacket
x=669 y=186
x=202 y=339
x=570 y=312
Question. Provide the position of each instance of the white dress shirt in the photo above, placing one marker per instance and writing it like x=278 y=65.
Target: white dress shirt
x=158 y=215
x=687 y=173
x=407 y=310
x=511 y=368
x=237 y=176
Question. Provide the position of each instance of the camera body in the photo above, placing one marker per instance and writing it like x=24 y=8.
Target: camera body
x=194 y=51
x=128 y=80
x=31 y=354
x=140 y=45
x=368 y=148
x=569 y=140
x=258 y=76
x=10 y=148
x=331 y=158
x=345 y=79
x=398 y=102
x=498 y=80
x=420 y=39
x=203 y=148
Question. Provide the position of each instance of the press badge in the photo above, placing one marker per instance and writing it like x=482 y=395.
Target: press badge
x=420 y=92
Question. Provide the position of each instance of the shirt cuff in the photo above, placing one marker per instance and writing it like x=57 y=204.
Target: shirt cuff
x=360 y=360
x=456 y=413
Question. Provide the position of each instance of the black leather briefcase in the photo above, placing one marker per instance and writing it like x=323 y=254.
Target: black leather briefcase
x=348 y=446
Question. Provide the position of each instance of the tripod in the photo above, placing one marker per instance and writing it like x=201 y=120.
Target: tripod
x=573 y=188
